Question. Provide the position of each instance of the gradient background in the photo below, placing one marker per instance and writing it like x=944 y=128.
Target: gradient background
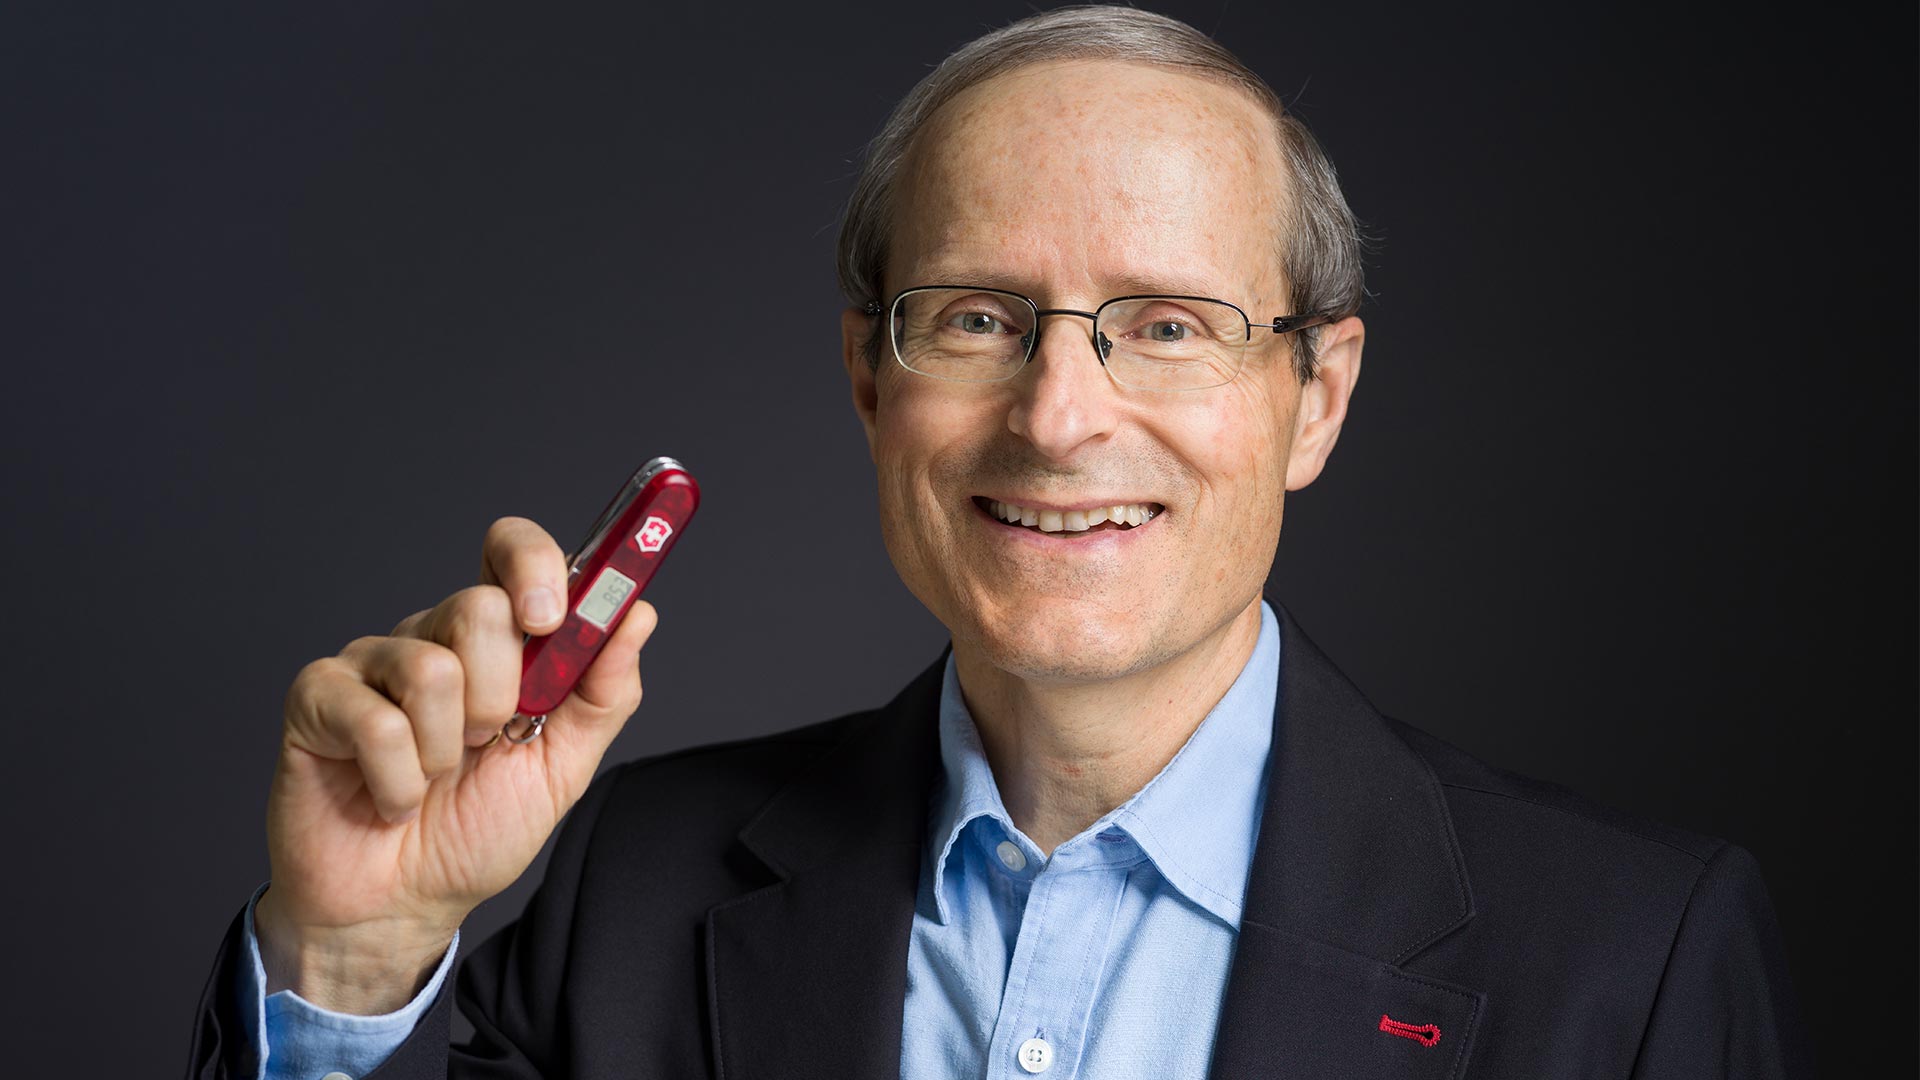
x=298 y=301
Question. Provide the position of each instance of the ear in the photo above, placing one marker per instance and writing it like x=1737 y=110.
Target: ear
x=855 y=326
x=1323 y=401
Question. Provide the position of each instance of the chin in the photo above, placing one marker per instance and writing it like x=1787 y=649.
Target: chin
x=1063 y=641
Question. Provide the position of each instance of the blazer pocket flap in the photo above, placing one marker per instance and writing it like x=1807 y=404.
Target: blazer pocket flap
x=1297 y=1007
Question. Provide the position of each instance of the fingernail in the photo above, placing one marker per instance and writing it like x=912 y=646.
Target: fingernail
x=541 y=606
x=407 y=817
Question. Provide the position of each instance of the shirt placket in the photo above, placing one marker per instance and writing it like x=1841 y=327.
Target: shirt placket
x=1058 y=958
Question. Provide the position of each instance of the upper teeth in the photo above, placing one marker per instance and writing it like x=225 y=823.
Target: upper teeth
x=1128 y=514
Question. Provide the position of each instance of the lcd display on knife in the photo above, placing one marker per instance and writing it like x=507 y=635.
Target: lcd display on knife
x=602 y=601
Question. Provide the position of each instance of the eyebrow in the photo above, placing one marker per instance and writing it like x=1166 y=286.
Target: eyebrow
x=1122 y=284
x=1133 y=283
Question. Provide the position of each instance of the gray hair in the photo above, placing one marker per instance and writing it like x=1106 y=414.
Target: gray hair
x=1321 y=249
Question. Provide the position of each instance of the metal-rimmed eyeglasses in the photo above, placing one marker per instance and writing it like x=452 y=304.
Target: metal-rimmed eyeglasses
x=963 y=333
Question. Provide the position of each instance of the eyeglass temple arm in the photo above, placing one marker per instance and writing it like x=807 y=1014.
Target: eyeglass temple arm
x=1287 y=324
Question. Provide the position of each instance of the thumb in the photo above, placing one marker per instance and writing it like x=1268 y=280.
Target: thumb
x=582 y=727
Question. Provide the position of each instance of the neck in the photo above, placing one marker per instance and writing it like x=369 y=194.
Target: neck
x=1064 y=754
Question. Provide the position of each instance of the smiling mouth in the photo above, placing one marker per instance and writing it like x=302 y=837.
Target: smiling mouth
x=1124 y=517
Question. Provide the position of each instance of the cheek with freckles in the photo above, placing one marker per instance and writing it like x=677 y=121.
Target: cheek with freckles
x=1237 y=439
x=914 y=429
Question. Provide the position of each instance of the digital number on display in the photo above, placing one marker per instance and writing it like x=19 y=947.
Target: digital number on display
x=602 y=601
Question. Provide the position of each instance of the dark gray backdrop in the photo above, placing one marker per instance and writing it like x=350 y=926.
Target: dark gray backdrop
x=299 y=300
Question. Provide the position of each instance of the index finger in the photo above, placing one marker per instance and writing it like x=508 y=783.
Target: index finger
x=522 y=558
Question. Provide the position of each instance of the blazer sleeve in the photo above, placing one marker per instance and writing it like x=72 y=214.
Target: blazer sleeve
x=509 y=987
x=1725 y=1007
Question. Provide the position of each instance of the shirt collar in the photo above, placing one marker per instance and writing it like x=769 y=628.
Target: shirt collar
x=1197 y=819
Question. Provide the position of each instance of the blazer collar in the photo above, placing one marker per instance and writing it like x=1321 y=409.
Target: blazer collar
x=1356 y=845
x=1356 y=870
x=807 y=977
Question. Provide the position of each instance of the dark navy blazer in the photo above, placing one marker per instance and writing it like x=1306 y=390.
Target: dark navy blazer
x=742 y=911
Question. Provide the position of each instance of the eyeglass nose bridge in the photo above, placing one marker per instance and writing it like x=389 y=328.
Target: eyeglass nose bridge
x=1102 y=345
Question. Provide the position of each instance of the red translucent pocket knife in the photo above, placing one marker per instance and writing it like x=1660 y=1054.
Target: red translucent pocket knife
x=605 y=575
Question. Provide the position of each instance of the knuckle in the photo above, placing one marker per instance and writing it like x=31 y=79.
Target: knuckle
x=361 y=646
x=468 y=614
x=382 y=730
x=477 y=609
x=304 y=688
x=313 y=679
x=432 y=669
x=313 y=672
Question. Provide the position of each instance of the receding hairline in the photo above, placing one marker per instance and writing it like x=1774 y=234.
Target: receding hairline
x=939 y=123
x=1256 y=93
x=941 y=117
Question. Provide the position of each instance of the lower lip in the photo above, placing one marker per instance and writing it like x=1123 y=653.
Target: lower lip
x=1078 y=540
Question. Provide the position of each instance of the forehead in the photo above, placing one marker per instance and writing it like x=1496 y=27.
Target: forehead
x=1098 y=177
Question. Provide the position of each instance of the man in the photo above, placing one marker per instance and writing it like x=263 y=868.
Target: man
x=1133 y=824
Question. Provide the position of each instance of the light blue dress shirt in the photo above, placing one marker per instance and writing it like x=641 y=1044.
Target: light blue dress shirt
x=1110 y=958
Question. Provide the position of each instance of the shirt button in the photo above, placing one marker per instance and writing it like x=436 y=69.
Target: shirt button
x=1011 y=858
x=336 y=1076
x=1036 y=1055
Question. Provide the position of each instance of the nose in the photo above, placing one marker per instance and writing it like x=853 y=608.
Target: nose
x=1064 y=399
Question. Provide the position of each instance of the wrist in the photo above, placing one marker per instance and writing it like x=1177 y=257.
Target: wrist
x=366 y=969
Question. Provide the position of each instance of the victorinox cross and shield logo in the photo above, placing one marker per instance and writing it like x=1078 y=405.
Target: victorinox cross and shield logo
x=653 y=535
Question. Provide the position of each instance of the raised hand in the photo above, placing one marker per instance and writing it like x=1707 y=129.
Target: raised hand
x=391 y=817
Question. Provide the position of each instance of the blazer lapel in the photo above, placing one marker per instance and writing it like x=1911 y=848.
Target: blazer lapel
x=1356 y=870
x=807 y=976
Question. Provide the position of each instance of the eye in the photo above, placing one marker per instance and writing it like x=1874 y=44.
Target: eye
x=978 y=322
x=1174 y=323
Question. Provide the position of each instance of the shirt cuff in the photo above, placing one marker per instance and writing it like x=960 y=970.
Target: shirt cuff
x=294 y=1039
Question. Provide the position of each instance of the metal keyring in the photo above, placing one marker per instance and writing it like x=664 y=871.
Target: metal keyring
x=533 y=728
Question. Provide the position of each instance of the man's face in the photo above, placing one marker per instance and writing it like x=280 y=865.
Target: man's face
x=1073 y=183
